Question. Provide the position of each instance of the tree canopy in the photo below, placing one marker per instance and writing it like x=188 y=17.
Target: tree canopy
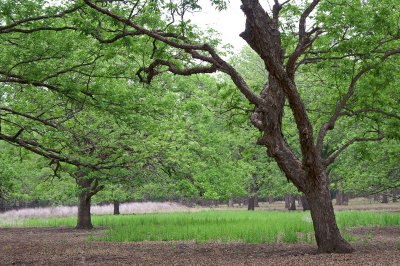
x=102 y=90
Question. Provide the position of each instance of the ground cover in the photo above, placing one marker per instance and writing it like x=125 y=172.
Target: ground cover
x=66 y=246
x=220 y=225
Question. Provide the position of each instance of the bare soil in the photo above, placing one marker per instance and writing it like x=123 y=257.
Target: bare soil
x=67 y=246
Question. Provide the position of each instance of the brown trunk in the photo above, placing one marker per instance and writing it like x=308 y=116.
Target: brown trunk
x=327 y=234
x=385 y=198
x=300 y=204
x=304 y=203
x=308 y=172
x=287 y=201
x=2 y=205
x=89 y=187
x=230 y=202
x=250 y=205
x=395 y=194
x=376 y=197
x=116 y=207
x=270 y=200
x=342 y=198
x=84 y=217
x=292 y=206
x=339 y=197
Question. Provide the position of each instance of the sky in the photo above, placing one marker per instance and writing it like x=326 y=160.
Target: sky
x=230 y=23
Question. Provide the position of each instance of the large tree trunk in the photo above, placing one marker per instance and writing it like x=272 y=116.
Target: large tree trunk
x=84 y=216
x=116 y=207
x=327 y=234
x=89 y=187
x=308 y=172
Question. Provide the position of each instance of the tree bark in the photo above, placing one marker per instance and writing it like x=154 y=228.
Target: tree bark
x=270 y=200
x=230 y=202
x=342 y=198
x=2 y=205
x=250 y=203
x=376 y=197
x=84 y=216
x=327 y=234
x=89 y=187
x=304 y=203
x=385 y=198
x=292 y=206
x=395 y=194
x=339 y=197
x=256 y=201
x=116 y=207
x=287 y=201
x=300 y=204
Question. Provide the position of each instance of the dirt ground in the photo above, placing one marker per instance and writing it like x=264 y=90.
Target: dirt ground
x=66 y=246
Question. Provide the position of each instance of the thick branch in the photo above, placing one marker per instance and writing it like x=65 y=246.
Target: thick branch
x=151 y=70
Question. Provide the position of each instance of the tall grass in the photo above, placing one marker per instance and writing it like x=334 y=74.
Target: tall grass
x=223 y=226
x=15 y=217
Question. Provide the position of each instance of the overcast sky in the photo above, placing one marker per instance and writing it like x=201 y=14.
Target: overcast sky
x=230 y=23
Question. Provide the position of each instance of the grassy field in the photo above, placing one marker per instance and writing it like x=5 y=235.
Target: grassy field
x=219 y=226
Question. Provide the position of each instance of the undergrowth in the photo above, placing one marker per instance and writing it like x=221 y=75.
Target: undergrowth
x=220 y=226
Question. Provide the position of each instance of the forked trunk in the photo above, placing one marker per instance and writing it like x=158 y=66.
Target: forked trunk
x=84 y=217
x=327 y=234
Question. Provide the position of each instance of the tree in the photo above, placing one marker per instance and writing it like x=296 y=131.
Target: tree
x=357 y=36
x=56 y=99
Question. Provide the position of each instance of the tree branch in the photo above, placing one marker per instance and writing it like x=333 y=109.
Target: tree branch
x=341 y=104
x=151 y=72
x=29 y=117
x=331 y=159
x=192 y=49
x=354 y=113
x=7 y=28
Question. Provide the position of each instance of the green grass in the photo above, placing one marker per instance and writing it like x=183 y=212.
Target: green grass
x=223 y=226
